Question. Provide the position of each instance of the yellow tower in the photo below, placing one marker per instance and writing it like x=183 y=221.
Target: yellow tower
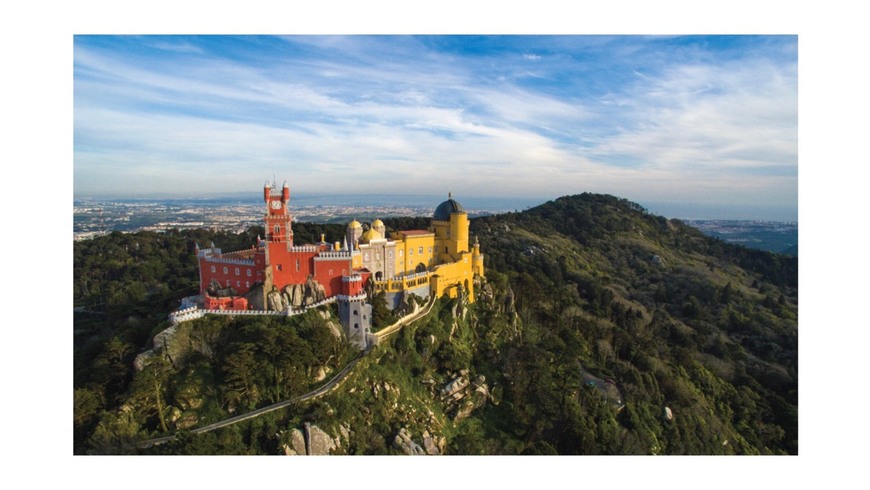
x=477 y=259
x=450 y=224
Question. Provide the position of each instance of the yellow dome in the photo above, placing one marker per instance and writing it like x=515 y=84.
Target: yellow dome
x=369 y=235
x=354 y=224
x=377 y=223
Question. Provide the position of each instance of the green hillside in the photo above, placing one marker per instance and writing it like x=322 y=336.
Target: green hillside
x=599 y=329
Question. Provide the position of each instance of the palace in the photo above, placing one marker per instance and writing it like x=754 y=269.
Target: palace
x=276 y=274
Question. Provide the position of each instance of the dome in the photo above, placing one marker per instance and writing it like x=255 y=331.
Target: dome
x=446 y=208
x=377 y=223
x=354 y=224
x=369 y=235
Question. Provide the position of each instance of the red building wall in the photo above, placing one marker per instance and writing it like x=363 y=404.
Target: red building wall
x=241 y=282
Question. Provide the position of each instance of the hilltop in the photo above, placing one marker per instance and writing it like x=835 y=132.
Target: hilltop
x=600 y=329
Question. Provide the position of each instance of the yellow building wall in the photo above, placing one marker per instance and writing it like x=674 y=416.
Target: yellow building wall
x=411 y=255
x=450 y=276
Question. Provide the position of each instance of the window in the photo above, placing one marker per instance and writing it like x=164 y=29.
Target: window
x=420 y=251
x=237 y=271
x=430 y=249
x=226 y=271
x=249 y=272
x=213 y=269
x=247 y=284
x=366 y=256
x=238 y=284
x=277 y=230
x=401 y=253
x=279 y=267
x=297 y=265
x=410 y=252
x=390 y=254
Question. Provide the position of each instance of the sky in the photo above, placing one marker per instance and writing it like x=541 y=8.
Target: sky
x=688 y=126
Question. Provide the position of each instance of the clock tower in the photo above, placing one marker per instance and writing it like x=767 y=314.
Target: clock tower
x=278 y=217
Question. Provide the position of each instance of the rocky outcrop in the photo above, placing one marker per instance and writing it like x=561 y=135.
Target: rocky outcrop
x=296 y=447
x=256 y=298
x=404 y=443
x=216 y=290
x=433 y=445
x=275 y=301
x=317 y=442
x=462 y=396
x=333 y=327
x=306 y=294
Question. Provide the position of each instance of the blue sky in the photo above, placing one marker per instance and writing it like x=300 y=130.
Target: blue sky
x=689 y=126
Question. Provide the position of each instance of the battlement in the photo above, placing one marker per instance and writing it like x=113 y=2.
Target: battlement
x=303 y=248
x=342 y=254
x=357 y=297
x=226 y=260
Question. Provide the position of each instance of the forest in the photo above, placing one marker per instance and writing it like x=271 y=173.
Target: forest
x=697 y=336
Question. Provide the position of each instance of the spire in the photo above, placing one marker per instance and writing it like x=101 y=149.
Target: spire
x=449 y=195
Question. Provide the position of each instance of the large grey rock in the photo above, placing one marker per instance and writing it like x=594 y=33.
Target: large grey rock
x=276 y=301
x=297 y=444
x=319 y=443
x=463 y=410
x=143 y=360
x=430 y=444
x=404 y=443
x=453 y=389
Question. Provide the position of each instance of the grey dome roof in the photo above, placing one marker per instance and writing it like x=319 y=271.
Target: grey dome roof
x=446 y=208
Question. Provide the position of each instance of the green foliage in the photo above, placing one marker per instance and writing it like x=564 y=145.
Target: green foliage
x=685 y=325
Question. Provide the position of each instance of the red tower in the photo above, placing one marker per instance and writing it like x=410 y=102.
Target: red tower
x=278 y=228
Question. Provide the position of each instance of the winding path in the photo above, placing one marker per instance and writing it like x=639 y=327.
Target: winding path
x=314 y=394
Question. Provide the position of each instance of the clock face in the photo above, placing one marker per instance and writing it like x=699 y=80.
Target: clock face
x=276 y=204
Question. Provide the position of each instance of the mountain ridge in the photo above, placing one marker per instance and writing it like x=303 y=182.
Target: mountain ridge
x=698 y=336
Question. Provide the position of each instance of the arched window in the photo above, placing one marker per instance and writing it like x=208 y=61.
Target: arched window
x=249 y=272
x=225 y=270
x=213 y=269
x=237 y=271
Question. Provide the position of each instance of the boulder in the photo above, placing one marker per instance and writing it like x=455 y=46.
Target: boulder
x=454 y=387
x=430 y=444
x=297 y=444
x=669 y=415
x=463 y=410
x=404 y=443
x=275 y=301
x=255 y=297
x=142 y=360
x=319 y=443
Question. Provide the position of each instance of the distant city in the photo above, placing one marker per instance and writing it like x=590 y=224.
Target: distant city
x=93 y=217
